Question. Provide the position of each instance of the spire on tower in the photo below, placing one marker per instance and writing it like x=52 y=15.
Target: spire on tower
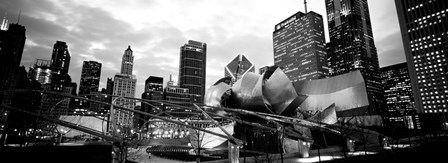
x=18 y=19
x=306 y=10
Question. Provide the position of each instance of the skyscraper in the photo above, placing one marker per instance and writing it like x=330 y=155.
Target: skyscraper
x=90 y=77
x=109 y=89
x=109 y=86
x=424 y=32
x=351 y=47
x=193 y=57
x=127 y=62
x=53 y=105
x=124 y=86
x=60 y=82
x=153 y=91
x=238 y=67
x=154 y=83
x=398 y=95
x=60 y=63
x=12 y=42
x=299 y=47
x=60 y=59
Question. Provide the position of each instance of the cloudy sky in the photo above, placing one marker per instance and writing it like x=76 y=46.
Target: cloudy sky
x=101 y=30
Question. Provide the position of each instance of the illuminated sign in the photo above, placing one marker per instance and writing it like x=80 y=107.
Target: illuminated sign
x=286 y=22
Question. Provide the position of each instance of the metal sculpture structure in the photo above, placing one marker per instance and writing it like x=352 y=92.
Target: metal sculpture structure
x=313 y=104
x=294 y=109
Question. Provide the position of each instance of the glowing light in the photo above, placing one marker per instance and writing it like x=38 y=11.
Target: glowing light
x=345 y=11
x=316 y=158
x=361 y=153
x=399 y=145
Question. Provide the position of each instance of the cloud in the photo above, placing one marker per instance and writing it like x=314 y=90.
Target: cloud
x=101 y=30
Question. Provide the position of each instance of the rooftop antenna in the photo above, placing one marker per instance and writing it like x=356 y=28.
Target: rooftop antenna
x=4 y=25
x=306 y=10
x=18 y=20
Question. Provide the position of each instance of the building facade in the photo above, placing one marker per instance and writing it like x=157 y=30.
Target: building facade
x=12 y=42
x=90 y=77
x=41 y=71
x=398 y=95
x=60 y=64
x=179 y=96
x=238 y=67
x=127 y=62
x=154 y=83
x=424 y=32
x=60 y=58
x=124 y=86
x=192 y=69
x=109 y=89
x=89 y=84
x=109 y=86
x=299 y=47
x=172 y=93
x=53 y=105
x=352 y=47
x=153 y=91
x=98 y=108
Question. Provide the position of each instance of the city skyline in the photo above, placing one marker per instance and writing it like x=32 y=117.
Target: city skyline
x=228 y=29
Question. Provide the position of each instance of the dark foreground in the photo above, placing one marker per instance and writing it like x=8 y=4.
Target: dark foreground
x=435 y=151
x=46 y=154
x=432 y=151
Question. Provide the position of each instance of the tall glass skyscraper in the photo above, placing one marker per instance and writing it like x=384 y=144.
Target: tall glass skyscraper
x=90 y=77
x=299 y=47
x=12 y=42
x=424 y=29
x=351 y=47
x=193 y=57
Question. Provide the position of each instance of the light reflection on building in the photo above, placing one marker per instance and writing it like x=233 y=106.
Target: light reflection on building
x=41 y=71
